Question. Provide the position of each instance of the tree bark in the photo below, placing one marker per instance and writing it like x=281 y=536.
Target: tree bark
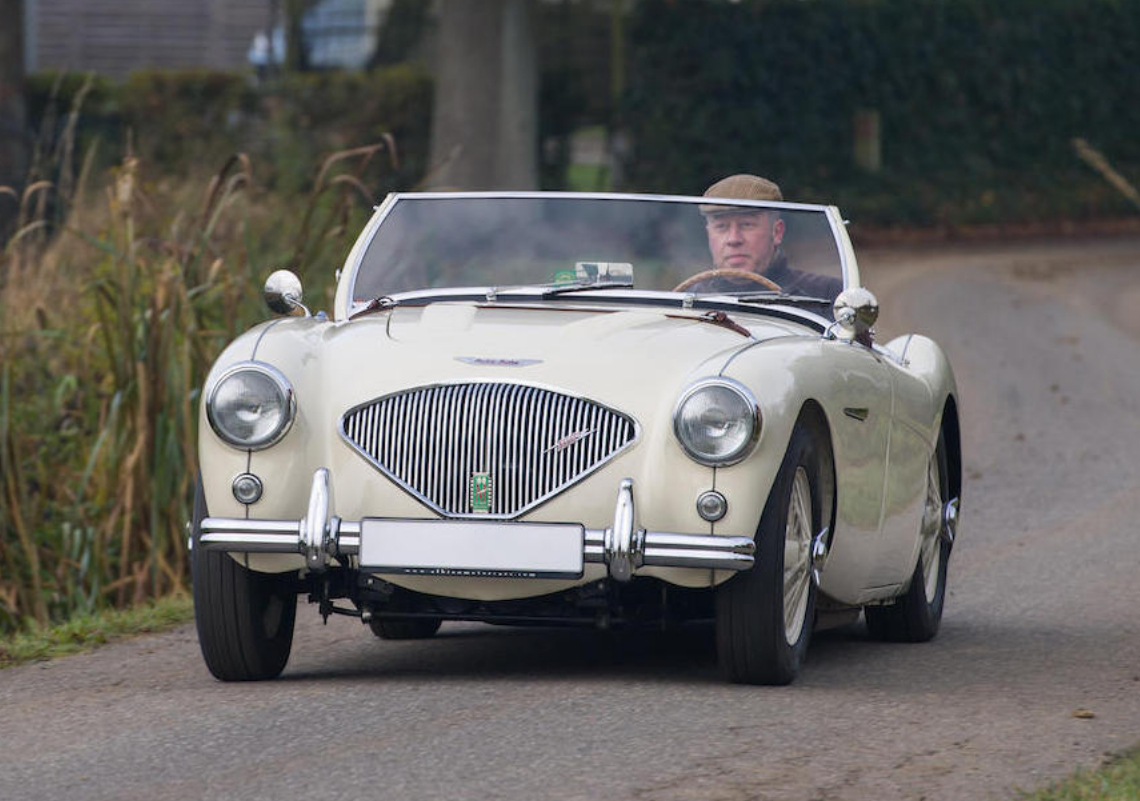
x=13 y=115
x=296 y=59
x=484 y=116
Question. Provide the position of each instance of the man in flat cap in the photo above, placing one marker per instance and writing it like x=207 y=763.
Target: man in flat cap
x=746 y=241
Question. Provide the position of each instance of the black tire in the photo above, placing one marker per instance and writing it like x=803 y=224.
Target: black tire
x=415 y=629
x=245 y=618
x=914 y=617
x=751 y=632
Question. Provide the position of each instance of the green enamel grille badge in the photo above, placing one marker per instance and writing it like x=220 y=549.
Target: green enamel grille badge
x=480 y=492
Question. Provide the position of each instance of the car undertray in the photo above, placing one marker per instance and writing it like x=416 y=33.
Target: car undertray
x=602 y=604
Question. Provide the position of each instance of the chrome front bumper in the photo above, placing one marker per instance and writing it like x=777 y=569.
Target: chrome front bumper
x=623 y=547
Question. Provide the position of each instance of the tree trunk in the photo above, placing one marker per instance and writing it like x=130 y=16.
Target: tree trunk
x=13 y=120
x=484 y=117
x=296 y=59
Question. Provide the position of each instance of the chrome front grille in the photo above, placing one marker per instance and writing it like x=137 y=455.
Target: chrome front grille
x=532 y=443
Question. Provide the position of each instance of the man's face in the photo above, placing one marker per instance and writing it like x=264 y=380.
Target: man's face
x=744 y=241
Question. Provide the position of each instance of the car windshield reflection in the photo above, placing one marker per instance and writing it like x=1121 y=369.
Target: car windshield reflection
x=572 y=243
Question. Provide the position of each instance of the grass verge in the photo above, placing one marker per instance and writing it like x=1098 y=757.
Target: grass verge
x=1119 y=780
x=85 y=632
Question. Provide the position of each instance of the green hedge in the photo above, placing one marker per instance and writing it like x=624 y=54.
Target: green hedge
x=190 y=121
x=979 y=101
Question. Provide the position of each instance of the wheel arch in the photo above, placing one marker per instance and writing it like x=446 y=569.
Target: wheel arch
x=813 y=416
x=952 y=436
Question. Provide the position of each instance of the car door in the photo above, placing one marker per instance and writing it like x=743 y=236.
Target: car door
x=860 y=412
x=907 y=461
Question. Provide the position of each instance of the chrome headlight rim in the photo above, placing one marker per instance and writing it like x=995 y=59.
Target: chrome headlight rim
x=755 y=418
x=283 y=385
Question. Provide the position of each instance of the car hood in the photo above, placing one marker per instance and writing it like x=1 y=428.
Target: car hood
x=635 y=360
x=580 y=349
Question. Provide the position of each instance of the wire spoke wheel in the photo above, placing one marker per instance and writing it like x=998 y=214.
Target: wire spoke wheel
x=764 y=616
x=931 y=554
x=916 y=615
x=797 y=557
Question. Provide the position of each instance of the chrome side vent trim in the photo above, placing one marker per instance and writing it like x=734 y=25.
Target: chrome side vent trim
x=520 y=443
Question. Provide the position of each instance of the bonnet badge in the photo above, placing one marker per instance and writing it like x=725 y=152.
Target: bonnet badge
x=481 y=492
x=483 y=361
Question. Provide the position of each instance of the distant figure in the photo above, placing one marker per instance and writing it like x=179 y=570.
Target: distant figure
x=266 y=52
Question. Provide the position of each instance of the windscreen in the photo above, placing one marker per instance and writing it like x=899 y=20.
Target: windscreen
x=436 y=242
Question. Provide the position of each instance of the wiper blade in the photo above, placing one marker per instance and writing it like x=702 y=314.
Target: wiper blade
x=550 y=290
x=565 y=289
x=777 y=297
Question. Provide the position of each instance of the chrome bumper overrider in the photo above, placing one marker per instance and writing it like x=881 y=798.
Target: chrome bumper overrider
x=623 y=548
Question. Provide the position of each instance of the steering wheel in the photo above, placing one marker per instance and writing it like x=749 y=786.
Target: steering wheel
x=747 y=275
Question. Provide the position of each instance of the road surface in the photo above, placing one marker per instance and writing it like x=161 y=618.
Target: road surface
x=1036 y=670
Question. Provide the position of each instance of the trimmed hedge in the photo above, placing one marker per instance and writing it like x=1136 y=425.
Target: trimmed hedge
x=189 y=121
x=979 y=102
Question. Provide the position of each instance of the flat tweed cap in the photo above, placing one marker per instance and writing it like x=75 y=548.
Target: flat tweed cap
x=740 y=187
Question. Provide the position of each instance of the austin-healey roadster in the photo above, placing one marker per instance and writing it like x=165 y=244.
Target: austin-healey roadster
x=554 y=409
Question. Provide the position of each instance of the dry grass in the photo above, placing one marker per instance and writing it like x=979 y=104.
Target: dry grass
x=116 y=294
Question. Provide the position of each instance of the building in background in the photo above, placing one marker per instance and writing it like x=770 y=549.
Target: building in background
x=114 y=37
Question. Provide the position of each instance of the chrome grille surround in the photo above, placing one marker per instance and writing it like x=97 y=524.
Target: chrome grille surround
x=535 y=442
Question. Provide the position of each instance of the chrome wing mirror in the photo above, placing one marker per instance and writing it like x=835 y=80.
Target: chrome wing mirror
x=856 y=310
x=282 y=293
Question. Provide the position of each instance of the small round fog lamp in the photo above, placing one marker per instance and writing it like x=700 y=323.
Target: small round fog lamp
x=711 y=506
x=247 y=488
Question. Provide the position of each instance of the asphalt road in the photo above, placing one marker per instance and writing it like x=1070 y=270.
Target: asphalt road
x=1042 y=627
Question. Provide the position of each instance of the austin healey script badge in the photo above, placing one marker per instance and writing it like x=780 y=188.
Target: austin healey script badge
x=481 y=492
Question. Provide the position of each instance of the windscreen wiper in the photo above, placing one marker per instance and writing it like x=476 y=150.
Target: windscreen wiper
x=566 y=289
x=777 y=297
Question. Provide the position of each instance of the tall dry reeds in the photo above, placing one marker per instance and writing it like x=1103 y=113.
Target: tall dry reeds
x=113 y=304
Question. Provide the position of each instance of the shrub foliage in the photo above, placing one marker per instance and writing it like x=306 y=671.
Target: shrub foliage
x=107 y=329
x=979 y=102
x=183 y=119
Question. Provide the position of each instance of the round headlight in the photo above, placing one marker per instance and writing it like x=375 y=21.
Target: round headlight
x=717 y=421
x=250 y=406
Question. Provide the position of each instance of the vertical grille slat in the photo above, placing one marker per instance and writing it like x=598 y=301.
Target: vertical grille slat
x=533 y=442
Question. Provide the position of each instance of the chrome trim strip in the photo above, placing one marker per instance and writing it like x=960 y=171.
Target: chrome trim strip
x=530 y=298
x=842 y=243
x=220 y=525
x=226 y=533
x=623 y=548
x=532 y=195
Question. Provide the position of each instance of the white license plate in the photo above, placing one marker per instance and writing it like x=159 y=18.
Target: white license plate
x=471 y=548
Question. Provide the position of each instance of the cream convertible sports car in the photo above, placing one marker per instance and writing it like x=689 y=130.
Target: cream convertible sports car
x=522 y=410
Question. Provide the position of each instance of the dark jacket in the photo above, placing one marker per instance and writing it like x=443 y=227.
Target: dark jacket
x=791 y=281
x=800 y=282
